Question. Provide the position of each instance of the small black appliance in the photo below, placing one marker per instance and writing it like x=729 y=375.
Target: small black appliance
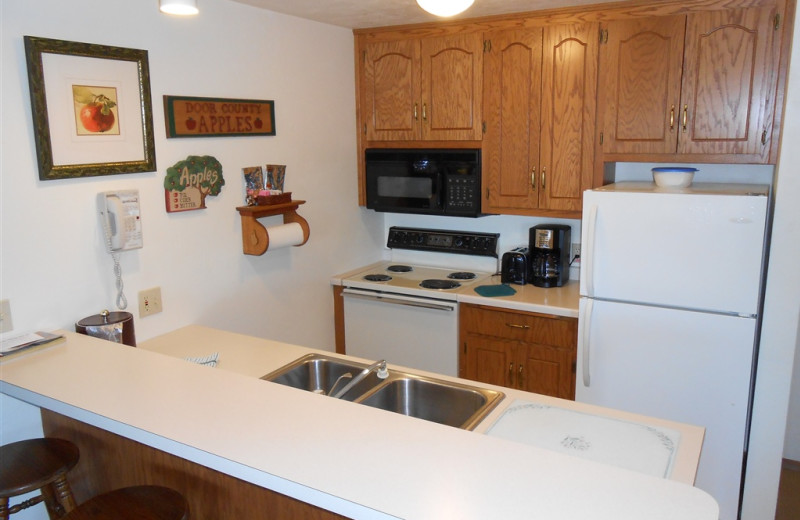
x=514 y=267
x=549 y=247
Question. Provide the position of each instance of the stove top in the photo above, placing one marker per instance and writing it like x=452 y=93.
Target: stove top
x=415 y=280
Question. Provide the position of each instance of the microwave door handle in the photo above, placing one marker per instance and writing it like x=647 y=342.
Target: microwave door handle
x=440 y=181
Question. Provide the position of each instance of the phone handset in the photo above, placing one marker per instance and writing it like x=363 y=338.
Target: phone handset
x=122 y=229
x=120 y=217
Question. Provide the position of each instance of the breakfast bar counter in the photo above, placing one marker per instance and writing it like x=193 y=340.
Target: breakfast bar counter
x=343 y=457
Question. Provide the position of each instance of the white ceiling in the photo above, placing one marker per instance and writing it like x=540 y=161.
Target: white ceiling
x=359 y=14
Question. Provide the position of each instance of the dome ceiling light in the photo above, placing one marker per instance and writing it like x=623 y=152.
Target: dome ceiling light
x=445 y=8
x=179 y=7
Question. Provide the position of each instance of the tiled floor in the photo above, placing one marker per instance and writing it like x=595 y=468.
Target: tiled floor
x=789 y=492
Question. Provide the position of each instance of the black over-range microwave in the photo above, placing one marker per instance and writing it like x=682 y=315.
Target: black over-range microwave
x=431 y=182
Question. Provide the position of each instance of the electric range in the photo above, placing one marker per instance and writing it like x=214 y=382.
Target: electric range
x=406 y=312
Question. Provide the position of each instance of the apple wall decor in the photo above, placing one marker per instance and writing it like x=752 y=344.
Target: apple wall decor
x=217 y=117
x=190 y=181
x=91 y=107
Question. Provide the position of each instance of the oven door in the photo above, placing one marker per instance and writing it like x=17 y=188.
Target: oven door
x=410 y=331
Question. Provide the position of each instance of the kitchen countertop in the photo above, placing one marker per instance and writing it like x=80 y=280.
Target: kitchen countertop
x=348 y=458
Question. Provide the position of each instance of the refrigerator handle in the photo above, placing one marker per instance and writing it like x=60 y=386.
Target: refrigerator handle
x=587 y=258
x=586 y=321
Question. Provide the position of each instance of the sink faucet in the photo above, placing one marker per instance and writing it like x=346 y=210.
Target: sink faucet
x=379 y=367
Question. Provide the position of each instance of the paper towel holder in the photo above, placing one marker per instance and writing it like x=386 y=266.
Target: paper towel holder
x=255 y=237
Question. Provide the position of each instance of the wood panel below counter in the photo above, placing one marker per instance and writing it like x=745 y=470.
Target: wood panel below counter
x=109 y=461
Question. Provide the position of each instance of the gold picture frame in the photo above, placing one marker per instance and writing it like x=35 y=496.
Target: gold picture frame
x=91 y=107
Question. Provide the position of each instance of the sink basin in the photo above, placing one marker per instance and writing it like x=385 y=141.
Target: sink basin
x=318 y=373
x=445 y=402
x=439 y=401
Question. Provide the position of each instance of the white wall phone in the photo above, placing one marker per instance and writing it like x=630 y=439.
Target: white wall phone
x=122 y=229
x=120 y=216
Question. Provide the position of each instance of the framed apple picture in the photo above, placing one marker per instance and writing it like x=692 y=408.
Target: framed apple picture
x=217 y=117
x=91 y=108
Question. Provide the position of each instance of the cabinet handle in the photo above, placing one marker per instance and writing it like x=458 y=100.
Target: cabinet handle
x=511 y=374
x=521 y=378
x=685 y=116
x=533 y=178
x=544 y=176
x=424 y=111
x=517 y=326
x=672 y=118
x=416 y=117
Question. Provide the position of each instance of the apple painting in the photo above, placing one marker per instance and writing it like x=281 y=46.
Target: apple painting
x=95 y=110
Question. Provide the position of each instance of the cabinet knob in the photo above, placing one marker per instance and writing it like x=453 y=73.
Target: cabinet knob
x=424 y=111
x=533 y=178
x=520 y=378
x=511 y=374
x=544 y=176
x=416 y=117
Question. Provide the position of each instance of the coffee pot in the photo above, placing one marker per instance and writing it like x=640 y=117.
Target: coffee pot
x=549 y=249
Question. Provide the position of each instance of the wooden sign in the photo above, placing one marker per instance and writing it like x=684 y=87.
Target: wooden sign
x=215 y=117
x=190 y=181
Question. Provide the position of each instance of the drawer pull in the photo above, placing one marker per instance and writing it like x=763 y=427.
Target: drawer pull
x=520 y=378
x=511 y=374
x=517 y=326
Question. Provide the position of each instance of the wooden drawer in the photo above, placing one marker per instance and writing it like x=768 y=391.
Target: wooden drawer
x=528 y=327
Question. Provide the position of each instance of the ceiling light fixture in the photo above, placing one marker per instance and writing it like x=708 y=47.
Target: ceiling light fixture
x=180 y=7
x=445 y=8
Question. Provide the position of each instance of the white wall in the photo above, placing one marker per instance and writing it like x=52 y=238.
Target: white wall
x=779 y=338
x=54 y=268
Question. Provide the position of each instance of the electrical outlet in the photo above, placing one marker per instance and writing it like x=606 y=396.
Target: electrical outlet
x=576 y=250
x=6 y=325
x=149 y=302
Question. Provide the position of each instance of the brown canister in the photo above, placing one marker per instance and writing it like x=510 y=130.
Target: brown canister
x=111 y=326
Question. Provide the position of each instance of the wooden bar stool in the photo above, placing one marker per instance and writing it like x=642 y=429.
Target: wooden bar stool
x=134 y=503
x=33 y=464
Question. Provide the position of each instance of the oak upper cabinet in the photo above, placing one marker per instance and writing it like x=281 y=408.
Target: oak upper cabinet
x=527 y=351
x=702 y=84
x=539 y=109
x=423 y=89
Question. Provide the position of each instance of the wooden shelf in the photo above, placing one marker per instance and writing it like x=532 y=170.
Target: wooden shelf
x=255 y=237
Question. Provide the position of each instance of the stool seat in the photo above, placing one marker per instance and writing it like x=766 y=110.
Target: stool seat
x=134 y=503
x=37 y=464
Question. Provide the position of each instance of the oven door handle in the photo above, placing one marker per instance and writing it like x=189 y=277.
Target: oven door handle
x=400 y=299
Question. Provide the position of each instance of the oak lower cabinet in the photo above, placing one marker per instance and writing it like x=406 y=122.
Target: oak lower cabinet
x=527 y=351
x=422 y=89
x=539 y=103
x=703 y=84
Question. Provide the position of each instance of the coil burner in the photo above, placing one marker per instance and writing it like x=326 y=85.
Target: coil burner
x=439 y=284
x=377 y=277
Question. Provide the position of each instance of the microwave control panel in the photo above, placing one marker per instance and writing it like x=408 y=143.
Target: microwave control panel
x=463 y=193
x=443 y=241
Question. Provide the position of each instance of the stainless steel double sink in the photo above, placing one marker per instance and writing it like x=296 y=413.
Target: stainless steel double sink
x=445 y=402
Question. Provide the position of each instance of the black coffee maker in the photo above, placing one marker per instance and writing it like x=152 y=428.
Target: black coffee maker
x=549 y=249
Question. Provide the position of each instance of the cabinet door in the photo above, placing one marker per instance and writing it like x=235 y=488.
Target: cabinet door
x=641 y=84
x=489 y=360
x=451 y=87
x=729 y=83
x=391 y=90
x=511 y=108
x=569 y=101
x=546 y=370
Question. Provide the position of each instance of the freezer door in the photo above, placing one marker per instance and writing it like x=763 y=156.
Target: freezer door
x=684 y=366
x=694 y=251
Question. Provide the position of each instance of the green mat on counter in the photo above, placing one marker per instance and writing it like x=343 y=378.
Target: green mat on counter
x=495 y=290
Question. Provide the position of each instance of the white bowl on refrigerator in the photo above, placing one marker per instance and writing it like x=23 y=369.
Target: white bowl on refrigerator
x=673 y=177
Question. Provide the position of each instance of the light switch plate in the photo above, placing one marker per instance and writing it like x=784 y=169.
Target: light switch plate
x=6 y=325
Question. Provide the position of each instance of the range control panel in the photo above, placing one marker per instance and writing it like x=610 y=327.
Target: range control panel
x=443 y=241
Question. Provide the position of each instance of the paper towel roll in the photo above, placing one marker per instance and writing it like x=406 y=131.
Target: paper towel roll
x=285 y=235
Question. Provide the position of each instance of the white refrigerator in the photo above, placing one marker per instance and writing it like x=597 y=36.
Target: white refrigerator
x=671 y=285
